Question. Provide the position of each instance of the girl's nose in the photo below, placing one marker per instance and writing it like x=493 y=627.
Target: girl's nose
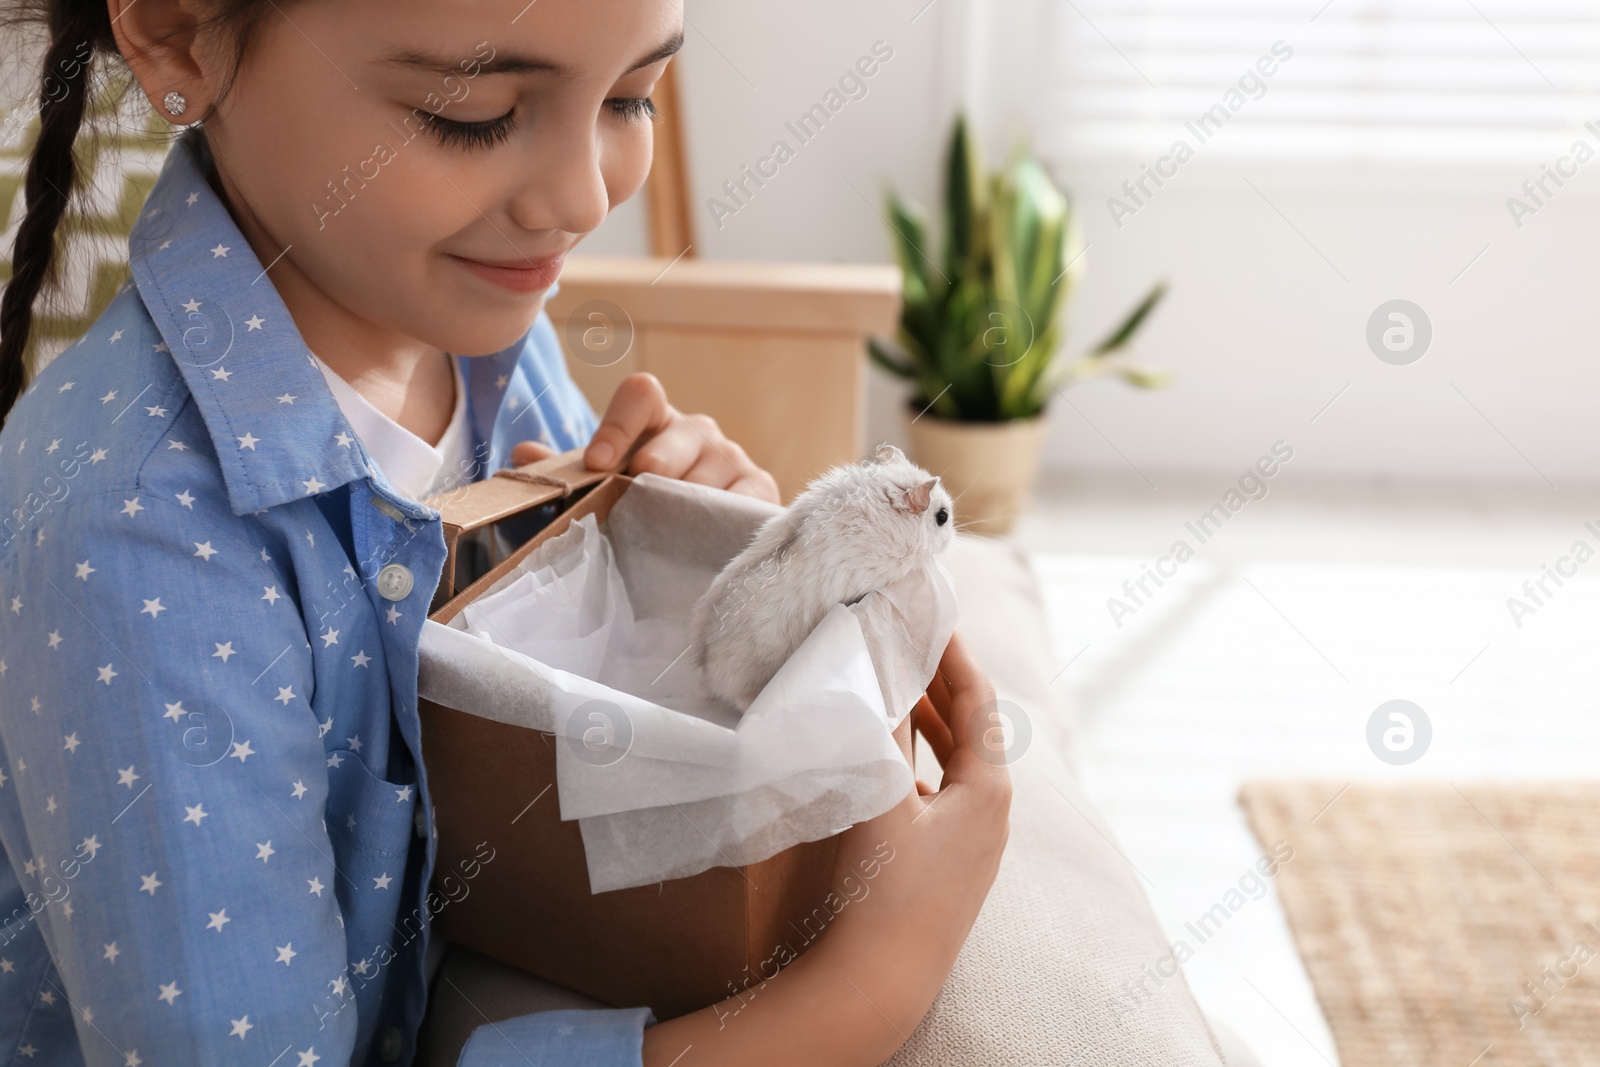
x=565 y=187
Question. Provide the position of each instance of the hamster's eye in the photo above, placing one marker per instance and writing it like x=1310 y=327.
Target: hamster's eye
x=941 y=516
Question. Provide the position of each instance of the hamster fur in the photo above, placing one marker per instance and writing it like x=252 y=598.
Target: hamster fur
x=857 y=528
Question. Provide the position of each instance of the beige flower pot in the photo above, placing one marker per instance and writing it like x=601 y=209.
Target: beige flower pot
x=989 y=468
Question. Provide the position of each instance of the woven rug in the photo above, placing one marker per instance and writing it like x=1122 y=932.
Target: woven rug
x=1447 y=926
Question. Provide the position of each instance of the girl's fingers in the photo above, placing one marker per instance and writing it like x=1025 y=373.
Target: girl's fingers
x=956 y=667
x=760 y=485
x=713 y=469
x=928 y=722
x=959 y=671
x=939 y=691
x=670 y=453
x=638 y=408
x=970 y=714
x=666 y=442
x=526 y=452
x=742 y=473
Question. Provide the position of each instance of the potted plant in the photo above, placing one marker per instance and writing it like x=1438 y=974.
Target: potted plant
x=981 y=330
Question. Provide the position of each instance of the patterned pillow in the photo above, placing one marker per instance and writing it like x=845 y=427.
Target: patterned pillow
x=120 y=151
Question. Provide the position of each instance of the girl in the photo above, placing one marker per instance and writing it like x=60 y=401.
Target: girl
x=214 y=564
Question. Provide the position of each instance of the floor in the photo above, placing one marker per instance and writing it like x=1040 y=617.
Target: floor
x=1264 y=654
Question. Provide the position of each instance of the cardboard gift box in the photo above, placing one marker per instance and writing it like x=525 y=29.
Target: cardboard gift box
x=513 y=877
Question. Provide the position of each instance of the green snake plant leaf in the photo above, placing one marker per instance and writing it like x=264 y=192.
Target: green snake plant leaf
x=1040 y=224
x=923 y=288
x=891 y=358
x=970 y=335
x=1090 y=367
x=1130 y=325
x=910 y=225
x=1069 y=273
x=1011 y=335
x=1031 y=224
x=1032 y=391
x=963 y=202
x=1145 y=377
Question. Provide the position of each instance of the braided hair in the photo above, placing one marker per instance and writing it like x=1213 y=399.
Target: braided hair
x=80 y=34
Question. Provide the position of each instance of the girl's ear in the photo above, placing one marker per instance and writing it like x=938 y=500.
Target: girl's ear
x=161 y=42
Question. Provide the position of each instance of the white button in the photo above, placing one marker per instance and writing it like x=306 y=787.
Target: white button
x=394 y=582
x=392 y=1045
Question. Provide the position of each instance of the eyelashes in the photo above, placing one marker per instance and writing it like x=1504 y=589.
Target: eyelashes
x=472 y=135
x=490 y=132
x=633 y=108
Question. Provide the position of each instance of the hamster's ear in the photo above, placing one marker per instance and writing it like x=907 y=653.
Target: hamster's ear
x=916 y=499
x=887 y=453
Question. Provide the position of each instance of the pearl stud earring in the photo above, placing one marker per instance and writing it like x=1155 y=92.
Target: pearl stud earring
x=175 y=102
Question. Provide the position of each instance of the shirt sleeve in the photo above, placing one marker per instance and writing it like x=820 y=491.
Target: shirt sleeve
x=569 y=1038
x=171 y=784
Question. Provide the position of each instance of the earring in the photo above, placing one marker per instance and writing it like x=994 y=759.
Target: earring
x=175 y=102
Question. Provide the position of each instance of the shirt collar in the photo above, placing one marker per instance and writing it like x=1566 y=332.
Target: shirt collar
x=278 y=432
x=409 y=462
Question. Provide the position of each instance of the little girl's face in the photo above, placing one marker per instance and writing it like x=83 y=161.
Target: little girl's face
x=395 y=220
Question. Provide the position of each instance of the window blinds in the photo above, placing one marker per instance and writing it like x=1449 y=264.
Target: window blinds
x=1365 y=80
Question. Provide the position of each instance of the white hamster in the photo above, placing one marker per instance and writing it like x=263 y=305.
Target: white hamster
x=857 y=528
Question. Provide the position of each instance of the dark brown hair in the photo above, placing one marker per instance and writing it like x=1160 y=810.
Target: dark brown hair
x=80 y=40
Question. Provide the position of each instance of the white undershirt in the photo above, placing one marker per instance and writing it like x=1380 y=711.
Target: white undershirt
x=414 y=467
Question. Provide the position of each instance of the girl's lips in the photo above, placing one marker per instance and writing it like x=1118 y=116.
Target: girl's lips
x=541 y=274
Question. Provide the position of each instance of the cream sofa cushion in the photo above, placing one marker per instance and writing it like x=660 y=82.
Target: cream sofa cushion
x=1065 y=926
x=1067 y=923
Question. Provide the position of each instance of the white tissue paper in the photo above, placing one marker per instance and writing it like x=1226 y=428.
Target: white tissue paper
x=588 y=639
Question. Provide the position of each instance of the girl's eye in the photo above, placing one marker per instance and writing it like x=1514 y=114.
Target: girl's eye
x=470 y=135
x=633 y=108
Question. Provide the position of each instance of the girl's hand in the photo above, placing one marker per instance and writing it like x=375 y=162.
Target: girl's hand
x=675 y=445
x=904 y=927
x=912 y=881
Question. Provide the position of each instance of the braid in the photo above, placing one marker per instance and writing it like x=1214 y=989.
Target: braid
x=52 y=176
x=80 y=31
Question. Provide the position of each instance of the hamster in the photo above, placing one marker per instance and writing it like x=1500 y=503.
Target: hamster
x=857 y=528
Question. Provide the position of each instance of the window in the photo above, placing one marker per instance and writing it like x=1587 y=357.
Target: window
x=1411 y=81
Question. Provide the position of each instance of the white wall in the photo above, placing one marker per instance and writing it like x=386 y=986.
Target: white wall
x=1262 y=332
x=747 y=69
x=1259 y=329
x=824 y=204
